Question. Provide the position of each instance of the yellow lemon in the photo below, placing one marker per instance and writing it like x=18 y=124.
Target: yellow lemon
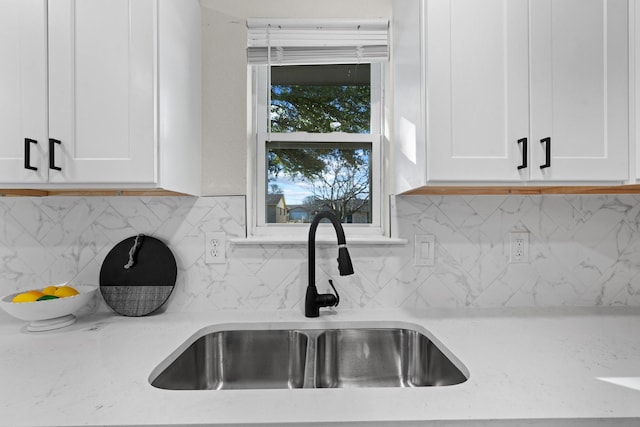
x=50 y=290
x=65 y=291
x=28 y=296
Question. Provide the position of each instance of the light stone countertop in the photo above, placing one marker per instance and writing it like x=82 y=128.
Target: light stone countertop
x=541 y=365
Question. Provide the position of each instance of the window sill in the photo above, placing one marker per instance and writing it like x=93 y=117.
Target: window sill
x=303 y=240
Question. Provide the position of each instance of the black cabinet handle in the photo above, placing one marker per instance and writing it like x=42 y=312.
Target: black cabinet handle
x=27 y=153
x=52 y=154
x=547 y=162
x=523 y=141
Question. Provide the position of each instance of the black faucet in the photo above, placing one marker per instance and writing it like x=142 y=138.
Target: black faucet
x=313 y=300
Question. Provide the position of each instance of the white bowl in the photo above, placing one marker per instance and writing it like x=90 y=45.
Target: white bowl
x=49 y=314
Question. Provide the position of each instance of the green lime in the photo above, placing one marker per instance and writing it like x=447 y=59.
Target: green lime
x=46 y=297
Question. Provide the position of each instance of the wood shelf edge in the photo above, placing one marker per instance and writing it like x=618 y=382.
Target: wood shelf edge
x=87 y=193
x=8 y=192
x=515 y=190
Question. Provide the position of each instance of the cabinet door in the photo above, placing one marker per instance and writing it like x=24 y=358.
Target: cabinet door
x=101 y=90
x=579 y=89
x=635 y=122
x=23 y=85
x=477 y=89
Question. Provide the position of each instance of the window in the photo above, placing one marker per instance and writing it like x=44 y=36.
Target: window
x=318 y=144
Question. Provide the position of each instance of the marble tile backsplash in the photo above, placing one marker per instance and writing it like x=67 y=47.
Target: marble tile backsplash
x=584 y=251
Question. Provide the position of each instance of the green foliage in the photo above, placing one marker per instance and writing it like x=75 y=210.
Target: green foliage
x=320 y=109
x=313 y=163
x=301 y=163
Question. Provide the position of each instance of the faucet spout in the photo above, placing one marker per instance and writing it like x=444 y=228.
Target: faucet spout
x=313 y=300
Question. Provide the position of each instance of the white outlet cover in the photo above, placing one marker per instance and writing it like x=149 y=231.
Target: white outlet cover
x=215 y=247
x=518 y=247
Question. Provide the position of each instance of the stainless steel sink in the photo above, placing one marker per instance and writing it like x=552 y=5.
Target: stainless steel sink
x=381 y=358
x=239 y=360
x=299 y=358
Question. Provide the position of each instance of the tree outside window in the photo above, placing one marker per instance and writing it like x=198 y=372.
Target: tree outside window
x=312 y=176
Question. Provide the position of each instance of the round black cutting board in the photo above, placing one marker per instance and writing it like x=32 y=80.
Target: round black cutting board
x=136 y=279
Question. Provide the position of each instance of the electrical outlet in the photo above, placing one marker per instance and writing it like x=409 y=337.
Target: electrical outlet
x=424 y=249
x=215 y=247
x=519 y=247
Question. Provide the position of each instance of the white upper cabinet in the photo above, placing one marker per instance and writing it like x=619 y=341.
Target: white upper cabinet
x=23 y=89
x=101 y=90
x=579 y=89
x=500 y=76
x=477 y=89
x=120 y=96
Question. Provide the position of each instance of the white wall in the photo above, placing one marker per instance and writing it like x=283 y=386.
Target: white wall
x=225 y=83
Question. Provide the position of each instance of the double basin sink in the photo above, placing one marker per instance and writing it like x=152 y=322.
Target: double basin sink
x=299 y=358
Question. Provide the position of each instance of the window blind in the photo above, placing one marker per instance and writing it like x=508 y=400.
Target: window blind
x=317 y=41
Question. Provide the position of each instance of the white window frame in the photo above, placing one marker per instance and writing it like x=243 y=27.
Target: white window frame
x=260 y=93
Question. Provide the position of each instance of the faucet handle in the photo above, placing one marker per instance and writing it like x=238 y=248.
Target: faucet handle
x=335 y=291
x=327 y=300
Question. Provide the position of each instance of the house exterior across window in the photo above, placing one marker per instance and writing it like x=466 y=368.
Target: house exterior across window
x=276 y=209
